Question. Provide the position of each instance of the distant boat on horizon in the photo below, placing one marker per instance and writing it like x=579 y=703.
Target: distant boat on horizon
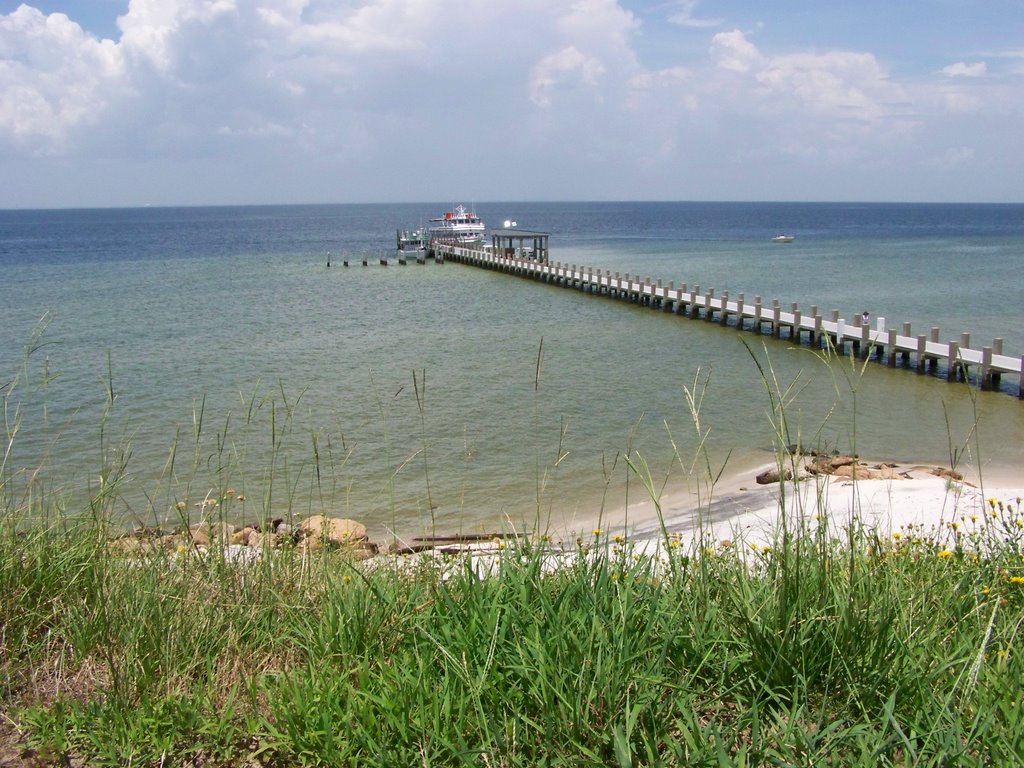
x=783 y=239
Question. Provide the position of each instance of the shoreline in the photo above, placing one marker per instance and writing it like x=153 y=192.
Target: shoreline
x=832 y=496
x=917 y=496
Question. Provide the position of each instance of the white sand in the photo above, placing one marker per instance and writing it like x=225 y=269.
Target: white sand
x=752 y=514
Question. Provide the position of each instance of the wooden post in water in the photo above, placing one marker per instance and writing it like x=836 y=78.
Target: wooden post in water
x=965 y=343
x=709 y=313
x=757 y=314
x=986 y=368
x=997 y=349
x=891 y=357
x=694 y=309
x=953 y=361
x=725 y=308
x=922 y=362
x=933 y=362
x=776 y=323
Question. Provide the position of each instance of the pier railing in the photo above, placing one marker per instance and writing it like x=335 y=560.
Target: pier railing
x=955 y=359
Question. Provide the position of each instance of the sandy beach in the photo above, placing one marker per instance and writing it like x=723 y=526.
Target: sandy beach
x=919 y=498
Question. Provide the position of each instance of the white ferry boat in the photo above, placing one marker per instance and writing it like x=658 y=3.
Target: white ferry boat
x=458 y=225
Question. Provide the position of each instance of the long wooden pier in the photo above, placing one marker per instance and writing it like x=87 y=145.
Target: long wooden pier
x=956 y=360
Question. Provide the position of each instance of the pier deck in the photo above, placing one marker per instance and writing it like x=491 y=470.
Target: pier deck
x=955 y=359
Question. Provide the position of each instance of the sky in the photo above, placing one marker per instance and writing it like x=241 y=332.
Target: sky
x=209 y=102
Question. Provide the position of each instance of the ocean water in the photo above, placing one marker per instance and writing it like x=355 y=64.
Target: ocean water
x=185 y=351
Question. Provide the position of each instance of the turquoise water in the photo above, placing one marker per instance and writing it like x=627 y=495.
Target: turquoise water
x=409 y=397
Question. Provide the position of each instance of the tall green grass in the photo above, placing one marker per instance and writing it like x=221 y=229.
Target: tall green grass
x=828 y=645
x=810 y=652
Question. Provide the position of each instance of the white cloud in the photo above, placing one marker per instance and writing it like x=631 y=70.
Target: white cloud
x=565 y=68
x=843 y=84
x=962 y=69
x=684 y=16
x=151 y=29
x=53 y=77
x=307 y=92
x=839 y=83
x=732 y=51
x=602 y=22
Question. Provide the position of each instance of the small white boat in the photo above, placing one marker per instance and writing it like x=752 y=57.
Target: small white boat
x=412 y=241
x=783 y=239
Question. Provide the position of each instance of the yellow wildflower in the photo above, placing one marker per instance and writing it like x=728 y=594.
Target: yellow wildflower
x=944 y=554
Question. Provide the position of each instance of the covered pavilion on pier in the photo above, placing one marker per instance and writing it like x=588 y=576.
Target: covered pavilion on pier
x=510 y=241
